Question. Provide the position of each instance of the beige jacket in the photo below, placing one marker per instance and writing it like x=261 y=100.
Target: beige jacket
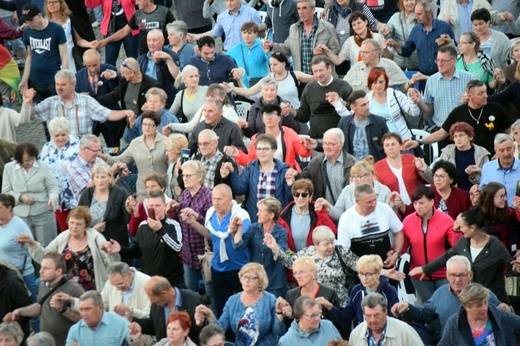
x=398 y=333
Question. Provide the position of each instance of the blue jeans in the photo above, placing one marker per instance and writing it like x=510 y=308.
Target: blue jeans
x=227 y=284
x=98 y=13
x=131 y=43
x=32 y=284
x=192 y=278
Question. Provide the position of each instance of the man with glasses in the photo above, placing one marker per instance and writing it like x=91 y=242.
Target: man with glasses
x=487 y=118
x=445 y=300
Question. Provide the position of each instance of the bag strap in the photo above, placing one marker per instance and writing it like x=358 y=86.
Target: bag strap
x=329 y=187
x=207 y=248
x=402 y=113
x=343 y=265
x=293 y=75
x=52 y=290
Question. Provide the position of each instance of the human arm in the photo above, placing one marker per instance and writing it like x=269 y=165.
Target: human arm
x=195 y=221
x=84 y=43
x=64 y=55
x=32 y=310
x=117 y=36
x=24 y=82
x=435 y=137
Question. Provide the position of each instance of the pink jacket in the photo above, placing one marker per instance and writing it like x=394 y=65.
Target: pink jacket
x=128 y=7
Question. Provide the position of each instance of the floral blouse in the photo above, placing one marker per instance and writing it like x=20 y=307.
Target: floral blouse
x=330 y=271
x=59 y=160
x=80 y=267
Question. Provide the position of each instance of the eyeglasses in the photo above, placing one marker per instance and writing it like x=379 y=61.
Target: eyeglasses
x=358 y=177
x=440 y=176
x=366 y=275
x=149 y=125
x=124 y=64
x=501 y=197
x=249 y=278
x=443 y=61
x=205 y=144
x=270 y=115
x=329 y=144
x=302 y=194
x=263 y=150
x=188 y=176
x=313 y=316
x=92 y=150
x=457 y=276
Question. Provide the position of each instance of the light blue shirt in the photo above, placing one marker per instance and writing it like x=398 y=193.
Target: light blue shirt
x=128 y=294
x=151 y=67
x=230 y=24
x=10 y=250
x=111 y=330
x=465 y=17
x=178 y=304
x=444 y=94
x=507 y=177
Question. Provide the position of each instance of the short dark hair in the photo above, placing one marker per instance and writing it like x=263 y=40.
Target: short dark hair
x=154 y=116
x=394 y=135
x=481 y=14
x=449 y=167
x=206 y=41
x=448 y=49
x=210 y=331
x=270 y=107
x=356 y=95
x=421 y=191
x=25 y=148
x=249 y=26
x=58 y=259
x=158 y=178
x=267 y=139
x=7 y=200
x=357 y=15
x=461 y=126
x=319 y=59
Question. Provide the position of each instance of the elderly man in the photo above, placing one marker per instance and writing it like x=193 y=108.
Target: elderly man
x=177 y=33
x=365 y=227
x=487 y=119
x=445 y=300
x=363 y=131
x=229 y=23
x=214 y=67
x=504 y=169
x=370 y=53
x=315 y=106
x=226 y=261
x=379 y=328
x=305 y=35
x=426 y=36
x=81 y=110
x=228 y=132
x=56 y=317
x=97 y=327
x=41 y=339
x=329 y=171
x=90 y=79
x=160 y=63
x=166 y=299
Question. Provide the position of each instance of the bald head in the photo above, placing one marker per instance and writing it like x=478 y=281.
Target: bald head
x=156 y=285
x=222 y=199
x=92 y=61
x=132 y=64
x=91 y=54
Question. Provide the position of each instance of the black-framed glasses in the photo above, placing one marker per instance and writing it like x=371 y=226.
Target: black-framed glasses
x=124 y=64
x=92 y=150
x=443 y=61
x=302 y=194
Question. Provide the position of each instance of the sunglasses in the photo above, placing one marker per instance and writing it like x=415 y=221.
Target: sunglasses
x=303 y=194
x=124 y=64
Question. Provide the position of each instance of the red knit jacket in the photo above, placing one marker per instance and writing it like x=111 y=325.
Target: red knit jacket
x=411 y=176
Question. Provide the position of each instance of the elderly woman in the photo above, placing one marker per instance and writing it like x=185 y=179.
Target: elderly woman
x=478 y=323
x=471 y=59
x=155 y=102
x=213 y=91
x=58 y=153
x=35 y=188
x=187 y=101
x=146 y=151
x=107 y=204
x=177 y=330
x=400 y=25
x=81 y=246
x=11 y=334
x=308 y=329
x=515 y=131
x=291 y=143
x=471 y=157
x=326 y=256
x=300 y=217
x=177 y=33
x=250 y=314
x=254 y=240
x=254 y=123
x=212 y=335
x=262 y=178
x=195 y=200
x=173 y=145
x=362 y=172
x=369 y=268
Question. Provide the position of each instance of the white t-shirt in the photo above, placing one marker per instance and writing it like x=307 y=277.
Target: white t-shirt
x=368 y=234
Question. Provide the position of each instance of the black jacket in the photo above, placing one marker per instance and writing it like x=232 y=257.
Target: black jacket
x=217 y=178
x=116 y=216
x=13 y=295
x=227 y=131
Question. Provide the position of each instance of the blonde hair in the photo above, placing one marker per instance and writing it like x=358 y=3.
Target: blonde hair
x=322 y=233
x=185 y=71
x=273 y=206
x=102 y=168
x=370 y=261
x=366 y=165
x=473 y=293
x=307 y=261
x=65 y=11
x=259 y=271
x=176 y=142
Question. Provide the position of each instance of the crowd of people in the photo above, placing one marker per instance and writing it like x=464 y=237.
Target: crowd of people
x=262 y=191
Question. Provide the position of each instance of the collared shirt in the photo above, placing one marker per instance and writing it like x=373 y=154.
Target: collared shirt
x=465 y=16
x=370 y=338
x=111 y=330
x=230 y=24
x=335 y=177
x=210 y=166
x=357 y=76
x=151 y=67
x=493 y=171
x=267 y=184
x=81 y=113
x=79 y=176
x=128 y=294
x=307 y=46
x=178 y=304
x=444 y=94
x=328 y=83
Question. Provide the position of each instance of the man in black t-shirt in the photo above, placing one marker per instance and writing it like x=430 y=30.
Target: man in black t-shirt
x=487 y=119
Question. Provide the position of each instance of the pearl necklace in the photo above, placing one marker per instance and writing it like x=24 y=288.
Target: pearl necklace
x=472 y=117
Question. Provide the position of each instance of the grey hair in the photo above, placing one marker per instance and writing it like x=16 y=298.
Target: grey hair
x=212 y=135
x=58 y=124
x=69 y=75
x=215 y=101
x=503 y=137
x=363 y=189
x=86 y=139
x=428 y=7
x=187 y=69
x=178 y=27
x=12 y=329
x=310 y=2
x=374 y=43
x=41 y=339
x=473 y=293
x=459 y=259
x=155 y=32
x=118 y=268
x=96 y=297
x=210 y=331
x=338 y=133
x=301 y=304
x=322 y=233
x=373 y=300
x=196 y=165
x=516 y=124
x=268 y=81
x=92 y=52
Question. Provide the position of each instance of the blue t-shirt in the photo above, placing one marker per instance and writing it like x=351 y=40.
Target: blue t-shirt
x=44 y=44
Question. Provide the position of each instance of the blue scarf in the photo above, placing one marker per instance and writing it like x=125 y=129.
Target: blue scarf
x=343 y=12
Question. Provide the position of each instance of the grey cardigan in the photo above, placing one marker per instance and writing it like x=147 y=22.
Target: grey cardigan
x=481 y=157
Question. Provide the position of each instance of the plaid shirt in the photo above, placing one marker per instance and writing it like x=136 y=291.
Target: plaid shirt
x=267 y=184
x=307 y=44
x=335 y=177
x=79 y=176
x=81 y=113
x=193 y=242
x=211 y=167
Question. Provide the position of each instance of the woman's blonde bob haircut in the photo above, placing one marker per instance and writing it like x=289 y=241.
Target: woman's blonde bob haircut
x=258 y=270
